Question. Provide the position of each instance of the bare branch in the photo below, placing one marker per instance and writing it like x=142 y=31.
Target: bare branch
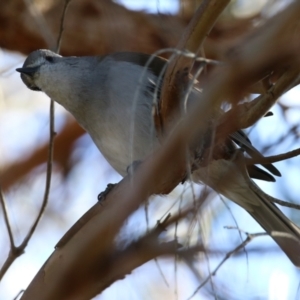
x=246 y=114
x=241 y=246
x=176 y=77
x=272 y=159
x=17 y=251
x=284 y=203
x=6 y=220
x=17 y=296
x=63 y=16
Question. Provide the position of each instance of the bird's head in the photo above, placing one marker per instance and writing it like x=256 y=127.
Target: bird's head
x=30 y=72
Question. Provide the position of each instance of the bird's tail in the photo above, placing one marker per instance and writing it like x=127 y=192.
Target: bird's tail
x=285 y=233
x=231 y=179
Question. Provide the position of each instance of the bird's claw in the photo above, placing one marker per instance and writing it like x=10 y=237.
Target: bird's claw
x=101 y=197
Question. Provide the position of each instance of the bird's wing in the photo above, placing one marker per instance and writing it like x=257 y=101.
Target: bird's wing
x=240 y=138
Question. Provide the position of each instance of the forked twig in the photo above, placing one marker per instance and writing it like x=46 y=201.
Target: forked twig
x=16 y=251
x=241 y=246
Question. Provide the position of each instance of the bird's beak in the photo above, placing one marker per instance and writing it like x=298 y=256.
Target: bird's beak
x=28 y=71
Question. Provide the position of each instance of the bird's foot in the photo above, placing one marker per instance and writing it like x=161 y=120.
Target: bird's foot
x=101 y=197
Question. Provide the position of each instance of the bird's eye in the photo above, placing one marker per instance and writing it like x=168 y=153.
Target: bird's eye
x=49 y=59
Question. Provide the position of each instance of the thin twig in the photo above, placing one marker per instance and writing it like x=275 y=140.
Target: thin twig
x=235 y=221
x=249 y=238
x=62 y=21
x=161 y=272
x=17 y=251
x=52 y=134
x=6 y=219
x=176 y=256
x=19 y=294
x=160 y=226
x=284 y=203
x=48 y=176
x=272 y=159
x=13 y=253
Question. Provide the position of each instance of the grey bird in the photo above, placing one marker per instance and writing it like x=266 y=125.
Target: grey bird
x=112 y=96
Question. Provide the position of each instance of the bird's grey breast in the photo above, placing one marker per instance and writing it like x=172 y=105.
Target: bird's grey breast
x=123 y=113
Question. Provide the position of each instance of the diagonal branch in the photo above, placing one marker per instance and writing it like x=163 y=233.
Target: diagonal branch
x=177 y=73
